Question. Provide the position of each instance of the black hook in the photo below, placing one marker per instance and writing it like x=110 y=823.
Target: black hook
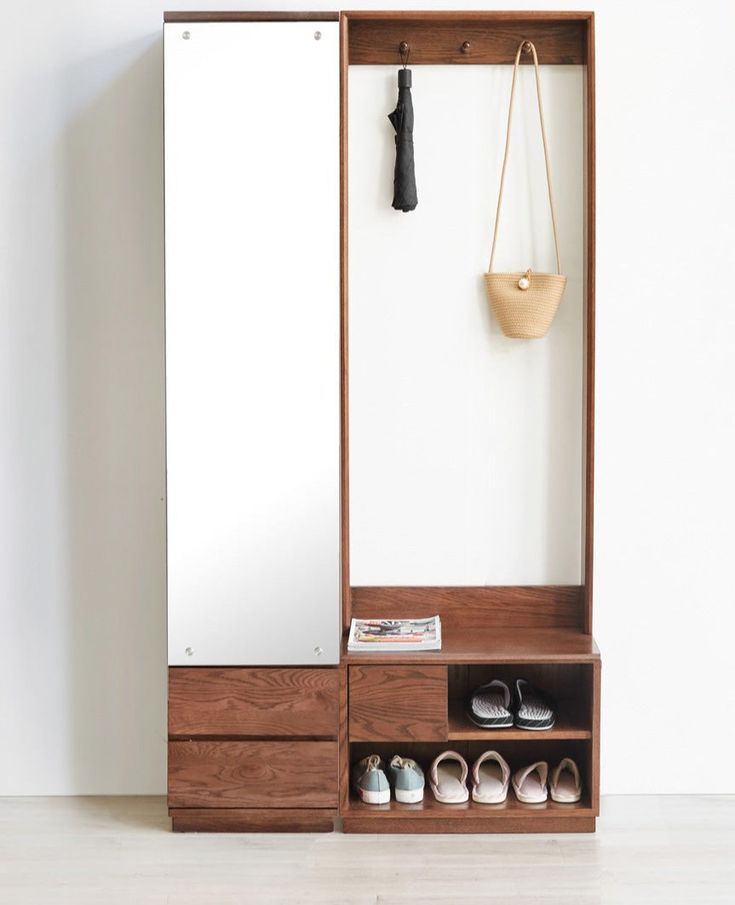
x=404 y=49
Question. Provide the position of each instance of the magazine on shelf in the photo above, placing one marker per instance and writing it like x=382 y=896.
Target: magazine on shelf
x=395 y=634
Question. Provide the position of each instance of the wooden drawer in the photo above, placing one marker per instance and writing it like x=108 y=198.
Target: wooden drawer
x=253 y=702
x=252 y=774
x=398 y=703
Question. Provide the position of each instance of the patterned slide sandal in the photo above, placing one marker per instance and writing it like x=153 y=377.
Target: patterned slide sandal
x=489 y=706
x=534 y=710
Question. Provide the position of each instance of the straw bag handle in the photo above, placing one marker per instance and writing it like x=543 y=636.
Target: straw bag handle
x=527 y=45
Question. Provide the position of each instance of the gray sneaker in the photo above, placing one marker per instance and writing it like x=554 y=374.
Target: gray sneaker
x=407 y=779
x=369 y=780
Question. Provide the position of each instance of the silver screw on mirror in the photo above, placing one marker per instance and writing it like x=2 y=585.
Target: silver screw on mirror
x=186 y=35
x=317 y=36
x=189 y=651
x=318 y=651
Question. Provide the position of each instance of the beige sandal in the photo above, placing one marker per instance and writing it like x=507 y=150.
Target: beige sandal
x=448 y=778
x=565 y=784
x=490 y=778
x=529 y=783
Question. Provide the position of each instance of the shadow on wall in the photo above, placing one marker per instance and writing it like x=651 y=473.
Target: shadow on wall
x=113 y=210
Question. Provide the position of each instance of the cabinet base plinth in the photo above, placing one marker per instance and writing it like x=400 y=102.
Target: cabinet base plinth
x=252 y=820
x=469 y=825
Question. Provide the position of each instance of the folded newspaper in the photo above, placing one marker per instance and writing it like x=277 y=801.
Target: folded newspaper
x=395 y=634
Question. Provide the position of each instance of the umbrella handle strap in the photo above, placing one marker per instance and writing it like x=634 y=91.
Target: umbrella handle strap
x=528 y=45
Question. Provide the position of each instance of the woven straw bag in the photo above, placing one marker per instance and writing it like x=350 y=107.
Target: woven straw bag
x=525 y=303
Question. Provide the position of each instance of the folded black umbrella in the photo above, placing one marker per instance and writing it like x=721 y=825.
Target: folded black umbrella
x=404 y=179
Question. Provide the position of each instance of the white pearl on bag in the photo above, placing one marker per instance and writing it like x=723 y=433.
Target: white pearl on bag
x=524 y=283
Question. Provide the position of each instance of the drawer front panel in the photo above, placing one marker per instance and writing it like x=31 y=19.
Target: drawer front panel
x=252 y=774
x=398 y=703
x=253 y=702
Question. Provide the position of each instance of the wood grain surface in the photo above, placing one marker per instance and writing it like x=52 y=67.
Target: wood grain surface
x=398 y=703
x=545 y=606
x=438 y=39
x=252 y=820
x=430 y=807
x=593 y=763
x=255 y=702
x=468 y=824
x=495 y=645
x=430 y=816
x=570 y=724
x=252 y=774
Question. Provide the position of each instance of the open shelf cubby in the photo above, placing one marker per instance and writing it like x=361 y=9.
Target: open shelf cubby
x=418 y=709
x=510 y=816
x=570 y=724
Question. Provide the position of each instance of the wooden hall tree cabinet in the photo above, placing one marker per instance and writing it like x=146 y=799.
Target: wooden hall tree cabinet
x=267 y=708
x=252 y=422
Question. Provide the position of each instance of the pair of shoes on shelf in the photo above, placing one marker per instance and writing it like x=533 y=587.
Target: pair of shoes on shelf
x=372 y=786
x=564 y=784
x=491 y=777
x=490 y=706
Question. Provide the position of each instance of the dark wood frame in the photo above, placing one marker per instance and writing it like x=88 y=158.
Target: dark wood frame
x=485 y=626
x=251 y=16
x=563 y=38
x=542 y=631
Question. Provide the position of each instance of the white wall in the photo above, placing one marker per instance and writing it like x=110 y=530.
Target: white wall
x=465 y=446
x=82 y=689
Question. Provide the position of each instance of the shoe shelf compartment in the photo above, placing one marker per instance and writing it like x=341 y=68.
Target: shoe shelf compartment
x=424 y=712
x=511 y=816
x=569 y=724
x=569 y=685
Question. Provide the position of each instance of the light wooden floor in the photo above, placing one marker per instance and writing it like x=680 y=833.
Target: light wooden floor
x=105 y=851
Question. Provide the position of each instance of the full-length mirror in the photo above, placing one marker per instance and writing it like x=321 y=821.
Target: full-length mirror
x=252 y=343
